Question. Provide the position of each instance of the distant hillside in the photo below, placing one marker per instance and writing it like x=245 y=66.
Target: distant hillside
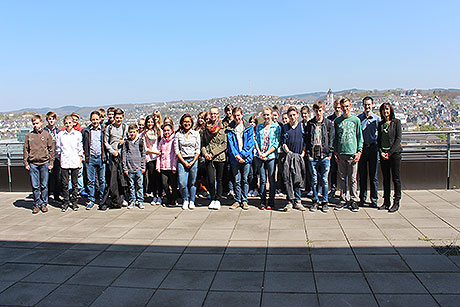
x=44 y=110
x=316 y=95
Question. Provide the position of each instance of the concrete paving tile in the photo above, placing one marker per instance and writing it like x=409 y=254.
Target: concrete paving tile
x=441 y=283
x=96 y=244
x=238 y=281
x=188 y=280
x=287 y=234
x=364 y=224
x=288 y=263
x=95 y=276
x=448 y=300
x=289 y=299
x=382 y=263
x=321 y=223
x=155 y=223
x=116 y=296
x=111 y=232
x=185 y=298
x=16 y=271
x=342 y=299
x=214 y=234
x=289 y=282
x=402 y=300
x=76 y=257
x=52 y=273
x=140 y=278
x=430 y=263
x=122 y=222
x=72 y=295
x=325 y=234
x=177 y=233
x=185 y=224
x=26 y=294
x=446 y=233
x=114 y=259
x=78 y=231
x=236 y=262
x=341 y=283
x=393 y=223
x=299 y=247
x=419 y=247
x=364 y=235
x=247 y=247
x=403 y=283
x=10 y=254
x=402 y=234
x=18 y=241
x=60 y=243
x=142 y=233
x=155 y=261
x=455 y=259
x=334 y=263
x=231 y=299
x=129 y=245
x=287 y=224
x=428 y=223
x=167 y=246
x=249 y=235
x=372 y=247
x=330 y=248
x=39 y=256
x=205 y=262
x=206 y=247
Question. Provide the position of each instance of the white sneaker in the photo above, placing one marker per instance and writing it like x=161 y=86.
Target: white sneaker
x=125 y=203
x=216 y=205
x=191 y=205
x=255 y=193
x=212 y=204
x=153 y=203
x=185 y=205
x=158 y=200
x=141 y=206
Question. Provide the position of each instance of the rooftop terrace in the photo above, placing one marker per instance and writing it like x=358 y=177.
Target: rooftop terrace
x=169 y=257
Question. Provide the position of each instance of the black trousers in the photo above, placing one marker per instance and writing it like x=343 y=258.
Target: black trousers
x=333 y=175
x=391 y=167
x=73 y=172
x=154 y=179
x=368 y=166
x=215 y=172
x=308 y=173
x=169 y=182
x=55 y=180
x=253 y=177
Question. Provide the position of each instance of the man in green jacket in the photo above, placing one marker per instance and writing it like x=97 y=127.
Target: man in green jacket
x=348 y=145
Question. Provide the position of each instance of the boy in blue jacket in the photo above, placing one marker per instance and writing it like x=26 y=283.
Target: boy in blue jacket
x=240 y=139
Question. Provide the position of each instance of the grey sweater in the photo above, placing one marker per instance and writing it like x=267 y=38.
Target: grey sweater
x=133 y=155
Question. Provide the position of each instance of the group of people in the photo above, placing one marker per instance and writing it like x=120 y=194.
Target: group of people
x=115 y=164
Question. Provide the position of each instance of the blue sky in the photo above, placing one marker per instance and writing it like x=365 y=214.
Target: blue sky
x=92 y=53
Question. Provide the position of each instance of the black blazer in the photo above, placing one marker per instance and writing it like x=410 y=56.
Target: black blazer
x=394 y=134
x=86 y=133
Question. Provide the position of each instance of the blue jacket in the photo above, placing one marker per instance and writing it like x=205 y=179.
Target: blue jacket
x=247 y=152
x=273 y=139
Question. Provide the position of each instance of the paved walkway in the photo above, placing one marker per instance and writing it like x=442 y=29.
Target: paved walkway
x=169 y=257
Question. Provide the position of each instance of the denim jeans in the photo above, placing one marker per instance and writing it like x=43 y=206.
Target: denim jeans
x=320 y=167
x=96 y=170
x=187 y=179
x=39 y=180
x=269 y=167
x=136 y=187
x=241 y=185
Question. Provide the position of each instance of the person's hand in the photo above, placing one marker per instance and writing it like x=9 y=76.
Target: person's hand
x=115 y=154
x=310 y=158
x=27 y=167
x=50 y=167
x=336 y=156
x=126 y=173
x=122 y=141
x=142 y=171
x=357 y=157
x=303 y=154
x=329 y=158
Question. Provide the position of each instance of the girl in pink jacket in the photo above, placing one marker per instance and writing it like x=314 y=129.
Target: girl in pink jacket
x=166 y=165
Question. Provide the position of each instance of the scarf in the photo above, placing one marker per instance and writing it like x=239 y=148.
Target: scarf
x=213 y=129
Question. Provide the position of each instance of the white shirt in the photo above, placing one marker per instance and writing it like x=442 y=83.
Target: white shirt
x=69 y=146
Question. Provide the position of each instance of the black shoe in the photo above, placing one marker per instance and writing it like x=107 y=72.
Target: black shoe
x=324 y=207
x=354 y=206
x=373 y=205
x=384 y=207
x=314 y=207
x=394 y=208
x=262 y=205
x=341 y=206
x=64 y=208
x=103 y=207
x=75 y=208
x=361 y=203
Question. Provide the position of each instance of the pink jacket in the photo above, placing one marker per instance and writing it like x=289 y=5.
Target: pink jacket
x=168 y=158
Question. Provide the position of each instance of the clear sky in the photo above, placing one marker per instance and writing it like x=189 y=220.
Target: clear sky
x=90 y=53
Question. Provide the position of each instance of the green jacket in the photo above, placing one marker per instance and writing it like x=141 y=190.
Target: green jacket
x=216 y=145
x=348 y=138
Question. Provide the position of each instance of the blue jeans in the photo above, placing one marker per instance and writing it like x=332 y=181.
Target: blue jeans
x=187 y=179
x=269 y=166
x=241 y=185
x=95 y=169
x=39 y=180
x=321 y=167
x=136 y=187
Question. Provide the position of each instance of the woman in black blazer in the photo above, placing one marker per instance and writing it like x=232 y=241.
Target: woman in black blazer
x=389 y=142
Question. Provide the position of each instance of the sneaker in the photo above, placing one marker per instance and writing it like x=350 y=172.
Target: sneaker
x=373 y=205
x=310 y=194
x=75 y=207
x=235 y=205
x=216 y=205
x=314 y=207
x=185 y=205
x=191 y=205
x=130 y=205
x=354 y=206
x=299 y=206
x=245 y=205
x=64 y=208
x=90 y=205
x=231 y=195
x=35 y=210
x=255 y=193
x=262 y=205
x=141 y=205
x=324 y=207
x=212 y=204
x=103 y=207
x=44 y=208
x=158 y=201
x=251 y=193
x=270 y=206
x=288 y=207
x=340 y=206
x=125 y=203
